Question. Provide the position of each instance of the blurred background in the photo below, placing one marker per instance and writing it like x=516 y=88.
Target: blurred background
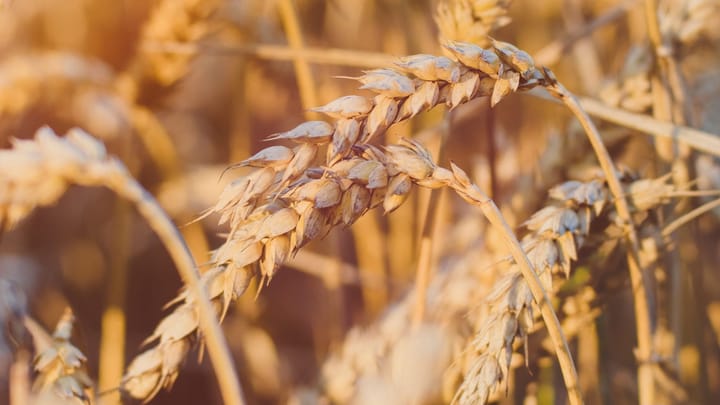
x=181 y=89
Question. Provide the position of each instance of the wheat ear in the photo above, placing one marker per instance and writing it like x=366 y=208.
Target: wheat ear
x=60 y=366
x=285 y=202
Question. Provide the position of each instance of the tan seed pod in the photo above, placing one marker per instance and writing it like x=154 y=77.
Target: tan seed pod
x=543 y=254
x=567 y=252
x=410 y=162
x=278 y=223
x=142 y=377
x=518 y=59
x=475 y=57
x=443 y=175
x=274 y=156
x=370 y=173
x=397 y=192
x=377 y=196
x=311 y=225
x=430 y=67
x=213 y=280
x=648 y=193
x=301 y=161
x=346 y=134
x=588 y=193
x=346 y=107
x=460 y=176
x=87 y=144
x=242 y=191
x=324 y=192
x=386 y=82
x=380 y=117
x=425 y=97
x=246 y=252
x=276 y=252
x=307 y=132
x=507 y=83
x=355 y=201
x=180 y=323
x=464 y=89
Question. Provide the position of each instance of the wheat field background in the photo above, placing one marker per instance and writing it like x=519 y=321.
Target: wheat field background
x=359 y=202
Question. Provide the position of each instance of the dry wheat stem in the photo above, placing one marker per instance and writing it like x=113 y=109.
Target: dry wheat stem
x=218 y=350
x=695 y=138
x=293 y=33
x=37 y=172
x=689 y=216
x=641 y=296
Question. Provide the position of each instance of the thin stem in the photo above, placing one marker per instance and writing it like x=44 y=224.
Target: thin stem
x=641 y=297
x=19 y=379
x=293 y=33
x=324 y=56
x=698 y=140
x=218 y=350
x=113 y=322
x=425 y=258
x=689 y=216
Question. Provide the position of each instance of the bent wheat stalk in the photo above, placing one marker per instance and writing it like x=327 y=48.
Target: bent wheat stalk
x=558 y=232
x=286 y=201
x=37 y=172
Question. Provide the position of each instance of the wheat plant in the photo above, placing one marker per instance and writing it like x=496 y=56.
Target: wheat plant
x=520 y=252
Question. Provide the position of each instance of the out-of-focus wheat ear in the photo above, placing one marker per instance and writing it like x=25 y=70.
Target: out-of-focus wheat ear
x=171 y=21
x=471 y=20
x=37 y=172
x=59 y=365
